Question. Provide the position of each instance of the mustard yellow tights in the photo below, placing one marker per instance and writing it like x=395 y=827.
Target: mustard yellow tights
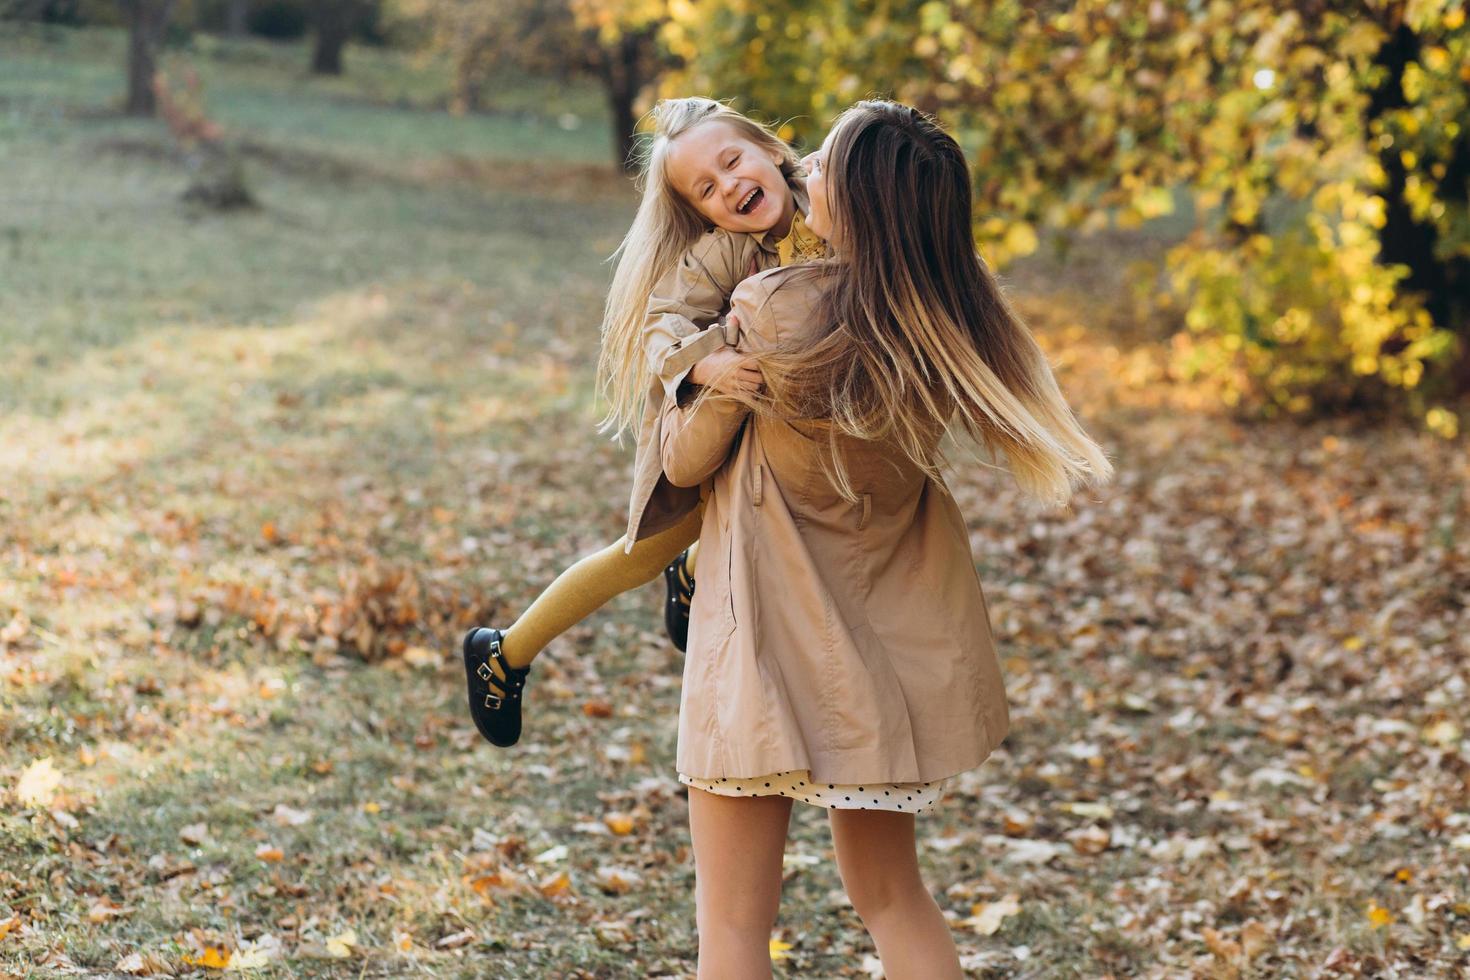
x=584 y=588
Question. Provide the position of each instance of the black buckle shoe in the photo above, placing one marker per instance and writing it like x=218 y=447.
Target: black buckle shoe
x=495 y=704
x=681 y=594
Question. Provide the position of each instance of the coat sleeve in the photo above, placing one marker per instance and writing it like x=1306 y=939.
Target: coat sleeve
x=698 y=434
x=680 y=326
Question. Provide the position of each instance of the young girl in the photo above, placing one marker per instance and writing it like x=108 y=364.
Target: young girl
x=721 y=201
x=839 y=647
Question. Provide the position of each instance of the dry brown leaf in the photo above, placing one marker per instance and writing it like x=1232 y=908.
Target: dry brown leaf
x=619 y=823
x=455 y=940
x=1090 y=840
x=554 y=885
x=597 y=709
x=617 y=881
x=194 y=834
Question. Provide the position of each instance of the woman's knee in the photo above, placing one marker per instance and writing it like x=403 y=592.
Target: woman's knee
x=718 y=906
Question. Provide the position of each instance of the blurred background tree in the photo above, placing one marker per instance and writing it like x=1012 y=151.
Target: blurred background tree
x=147 y=20
x=615 y=41
x=1320 y=150
x=333 y=23
x=1316 y=157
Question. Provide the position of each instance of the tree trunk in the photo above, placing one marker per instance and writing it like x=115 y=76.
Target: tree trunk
x=623 y=81
x=333 y=28
x=236 y=16
x=146 y=22
x=469 y=73
x=1444 y=284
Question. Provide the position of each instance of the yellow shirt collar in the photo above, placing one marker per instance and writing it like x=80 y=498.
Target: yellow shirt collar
x=801 y=243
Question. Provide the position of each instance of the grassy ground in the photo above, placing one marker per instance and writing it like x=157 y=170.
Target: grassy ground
x=258 y=471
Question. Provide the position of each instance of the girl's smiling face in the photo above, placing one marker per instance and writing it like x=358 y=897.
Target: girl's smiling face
x=734 y=183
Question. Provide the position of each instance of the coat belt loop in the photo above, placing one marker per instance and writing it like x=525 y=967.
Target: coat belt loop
x=867 y=511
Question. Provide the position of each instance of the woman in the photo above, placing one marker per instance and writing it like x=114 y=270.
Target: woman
x=839 y=647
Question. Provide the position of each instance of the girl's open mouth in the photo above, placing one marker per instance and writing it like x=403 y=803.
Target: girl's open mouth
x=752 y=201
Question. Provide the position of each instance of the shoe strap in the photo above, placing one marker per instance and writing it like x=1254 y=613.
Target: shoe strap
x=514 y=676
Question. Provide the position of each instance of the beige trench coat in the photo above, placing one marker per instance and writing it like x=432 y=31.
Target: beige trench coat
x=681 y=328
x=850 y=639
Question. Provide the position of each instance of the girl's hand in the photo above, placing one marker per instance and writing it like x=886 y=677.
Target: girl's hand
x=727 y=371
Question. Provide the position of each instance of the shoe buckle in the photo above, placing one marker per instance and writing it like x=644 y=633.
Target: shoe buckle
x=493 y=701
x=485 y=672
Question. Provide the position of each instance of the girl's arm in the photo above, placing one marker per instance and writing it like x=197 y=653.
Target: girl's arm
x=681 y=326
x=698 y=435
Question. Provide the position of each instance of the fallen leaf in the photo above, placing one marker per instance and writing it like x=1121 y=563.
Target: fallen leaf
x=455 y=940
x=1017 y=823
x=9 y=925
x=1090 y=840
x=194 y=834
x=597 y=709
x=1378 y=916
x=1093 y=811
x=340 y=946
x=403 y=942
x=554 y=885
x=371 y=807
x=1464 y=941
x=211 y=958
x=104 y=909
x=144 y=965
x=421 y=657
x=1255 y=937
x=617 y=881
x=286 y=816
x=551 y=854
x=38 y=784
x=619 y=823
x=1221 y=945
x=256 y=955
x=269 y=852
x=779 y=950
x=986 y=917
x=1442 y=733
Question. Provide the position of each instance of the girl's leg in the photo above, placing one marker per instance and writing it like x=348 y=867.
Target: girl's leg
x=738 y=843
x=879 y=865
x=584 y=588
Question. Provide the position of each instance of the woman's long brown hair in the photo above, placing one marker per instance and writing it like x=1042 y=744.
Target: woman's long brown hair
x=922 y=336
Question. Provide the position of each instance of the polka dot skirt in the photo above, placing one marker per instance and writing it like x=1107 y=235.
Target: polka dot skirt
x=797 y=784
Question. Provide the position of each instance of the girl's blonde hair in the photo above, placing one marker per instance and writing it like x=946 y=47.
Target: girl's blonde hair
x=921 y=334
x=665 y=227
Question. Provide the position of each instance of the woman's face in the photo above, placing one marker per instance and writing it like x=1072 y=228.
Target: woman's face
x=733 y=182
x=820 y=218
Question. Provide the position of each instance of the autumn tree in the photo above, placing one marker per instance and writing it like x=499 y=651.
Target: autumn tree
x=621 y=47
x=1320 y=148
x=615 y=41
x=146 y=20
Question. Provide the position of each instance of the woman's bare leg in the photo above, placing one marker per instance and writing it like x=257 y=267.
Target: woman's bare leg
x=879 y=864
x=588 y=585
x=738 y=843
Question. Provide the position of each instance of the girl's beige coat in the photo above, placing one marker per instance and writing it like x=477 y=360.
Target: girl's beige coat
x=850 y=639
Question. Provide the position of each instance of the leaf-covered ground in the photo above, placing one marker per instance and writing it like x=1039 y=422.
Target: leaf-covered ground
x=257 y=472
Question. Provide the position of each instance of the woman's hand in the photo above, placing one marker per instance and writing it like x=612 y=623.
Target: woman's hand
x=727 y=371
